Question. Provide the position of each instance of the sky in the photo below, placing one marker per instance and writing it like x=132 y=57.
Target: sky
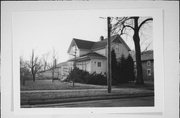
x=48 y=30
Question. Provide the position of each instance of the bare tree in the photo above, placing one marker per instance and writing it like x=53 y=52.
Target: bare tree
x=54 y=64
x=24 y=71
x=122 y=26
x=45 y=64
x=34 y=65
x=146 y=47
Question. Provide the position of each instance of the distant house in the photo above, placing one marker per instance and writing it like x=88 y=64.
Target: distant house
x=91 y=56
x=63 y=70
x=48 y=74
x=60 y=72
x=147 y=60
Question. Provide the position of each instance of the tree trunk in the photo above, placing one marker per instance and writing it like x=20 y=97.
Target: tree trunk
x=53 y=74
x=34 y=77
x=139 y=79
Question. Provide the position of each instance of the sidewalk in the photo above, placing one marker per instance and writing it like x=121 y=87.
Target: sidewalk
x=62 y=96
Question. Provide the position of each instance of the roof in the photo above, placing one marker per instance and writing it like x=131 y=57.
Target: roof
x=88 y=56
x=99 y=44
x=145 y=56
x=61 y=64
x=83 y=44
x=103 y=43
x=90 y=45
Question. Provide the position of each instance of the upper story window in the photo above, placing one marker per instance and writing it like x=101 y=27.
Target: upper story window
x=149 y=72
x=99 y=64
x=116 y=48
x=134 y=64
x=148 y=63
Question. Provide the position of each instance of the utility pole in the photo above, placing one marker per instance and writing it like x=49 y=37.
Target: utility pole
x=109 y=55
x=74 y=65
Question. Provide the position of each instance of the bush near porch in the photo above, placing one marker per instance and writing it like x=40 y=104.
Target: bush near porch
x=85 y=77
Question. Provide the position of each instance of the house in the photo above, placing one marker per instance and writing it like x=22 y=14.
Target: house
x=48 y=74
x=91 y=56
x=147 y=61
x=60 y=72
x=63 y=70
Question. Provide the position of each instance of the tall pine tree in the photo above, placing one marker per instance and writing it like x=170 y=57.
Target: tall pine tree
x=114 y=67
x=130 y=69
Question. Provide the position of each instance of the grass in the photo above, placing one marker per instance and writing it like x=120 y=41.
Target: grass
x=149 y=85
x=65 y=90
x=56 y=85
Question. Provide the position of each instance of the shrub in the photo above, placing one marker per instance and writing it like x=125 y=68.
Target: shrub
x=82 y=76
x=97 y=79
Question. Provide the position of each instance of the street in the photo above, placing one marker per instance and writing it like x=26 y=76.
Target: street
x=123 y=102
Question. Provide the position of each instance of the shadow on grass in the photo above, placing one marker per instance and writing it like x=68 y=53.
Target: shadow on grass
x=148 y=85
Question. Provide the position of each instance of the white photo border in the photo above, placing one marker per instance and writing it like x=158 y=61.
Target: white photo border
x=170 y=71
x=156 y=14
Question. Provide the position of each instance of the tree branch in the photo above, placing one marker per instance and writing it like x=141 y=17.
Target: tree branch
x=125 y=26
x=144 y=22
x=129 y=26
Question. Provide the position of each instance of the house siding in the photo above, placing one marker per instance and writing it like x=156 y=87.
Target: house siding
x=72 y=52
x=84 y=65
x=101 y=51
x=120 y=50
x=94 y=66
x=82 y=52
x=149 y=76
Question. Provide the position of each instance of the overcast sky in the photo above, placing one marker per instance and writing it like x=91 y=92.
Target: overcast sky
x=43 y=31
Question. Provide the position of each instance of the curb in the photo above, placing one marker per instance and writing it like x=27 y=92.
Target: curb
x=85 y=98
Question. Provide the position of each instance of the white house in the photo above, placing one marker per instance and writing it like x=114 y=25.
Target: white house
x=91 y=56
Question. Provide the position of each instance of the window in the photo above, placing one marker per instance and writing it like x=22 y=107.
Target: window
x=149 y=72
x=116 y=49
x=134 y=64
x=99 y=64
x=148 y=63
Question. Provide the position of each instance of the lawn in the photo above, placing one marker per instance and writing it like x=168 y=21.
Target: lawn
x=148 y=85
x=56 y=85
x=47 y=90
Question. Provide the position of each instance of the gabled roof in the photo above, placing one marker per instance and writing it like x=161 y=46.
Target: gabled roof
x=83 y=44
x=93 y=55
x=88 y=56
x=103 y=43
x=145 y=56
x=90 y=45
x=99 y=44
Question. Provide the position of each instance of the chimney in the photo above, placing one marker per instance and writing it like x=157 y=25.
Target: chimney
x=101 y=38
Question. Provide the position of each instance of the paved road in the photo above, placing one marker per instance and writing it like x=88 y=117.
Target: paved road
x=123 y=102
